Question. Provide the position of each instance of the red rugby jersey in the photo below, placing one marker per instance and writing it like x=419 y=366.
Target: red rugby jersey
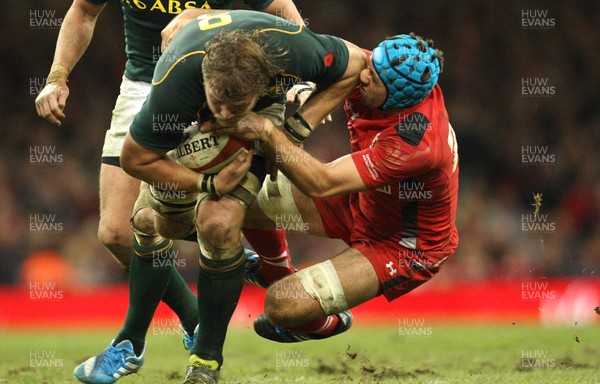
x=409 y=161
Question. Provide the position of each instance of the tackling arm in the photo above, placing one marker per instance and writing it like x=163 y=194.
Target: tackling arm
x=314 y=178
x=74 y=37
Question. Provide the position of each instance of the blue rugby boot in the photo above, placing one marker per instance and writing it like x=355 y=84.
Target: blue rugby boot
x=188 y=341
x=110 y=365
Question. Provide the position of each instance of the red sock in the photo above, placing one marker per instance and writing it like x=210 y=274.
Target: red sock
x=324 y=326
x=271 y=246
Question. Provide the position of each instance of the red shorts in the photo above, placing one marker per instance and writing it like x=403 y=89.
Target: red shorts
x=399 y=270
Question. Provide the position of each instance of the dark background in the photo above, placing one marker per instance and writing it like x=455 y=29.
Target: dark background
x=489 y=56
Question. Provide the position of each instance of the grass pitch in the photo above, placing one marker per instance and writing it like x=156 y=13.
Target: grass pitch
x=416 y=353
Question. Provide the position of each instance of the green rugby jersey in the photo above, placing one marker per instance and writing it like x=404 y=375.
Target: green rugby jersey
x=144 y=19
x=177 y=95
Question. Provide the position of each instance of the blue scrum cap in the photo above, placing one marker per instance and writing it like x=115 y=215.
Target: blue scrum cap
x=409 y=67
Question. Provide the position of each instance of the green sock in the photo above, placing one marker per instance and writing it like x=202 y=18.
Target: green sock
x=148 y=279
x=219 y=288
x=182 y=301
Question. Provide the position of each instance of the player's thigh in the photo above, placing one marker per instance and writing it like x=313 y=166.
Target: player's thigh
x=118 y=193
x=308 y=211
x=357 y=276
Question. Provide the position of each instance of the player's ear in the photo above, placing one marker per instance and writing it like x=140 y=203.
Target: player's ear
x=365 y=76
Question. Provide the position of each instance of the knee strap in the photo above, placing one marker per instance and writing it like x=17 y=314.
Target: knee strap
x=322 y=283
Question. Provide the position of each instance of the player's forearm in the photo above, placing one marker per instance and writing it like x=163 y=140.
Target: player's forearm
x=165 y=173
x=155 y=168
x=75 y=35
x=314 y=178
x=285 y=9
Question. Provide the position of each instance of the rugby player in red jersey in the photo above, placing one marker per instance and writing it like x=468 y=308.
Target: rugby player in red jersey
x=392 y=200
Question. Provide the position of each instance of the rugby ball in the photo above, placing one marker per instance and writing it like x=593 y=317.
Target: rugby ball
x=205 y=153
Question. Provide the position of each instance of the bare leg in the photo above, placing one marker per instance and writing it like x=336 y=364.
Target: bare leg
x=118 y=193
x=289 y=305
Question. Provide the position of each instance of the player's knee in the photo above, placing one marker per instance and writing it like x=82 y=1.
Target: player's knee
x=218 y=231
x=282 y=303
x=117 y=239
x=143 y=221
x=278 y=308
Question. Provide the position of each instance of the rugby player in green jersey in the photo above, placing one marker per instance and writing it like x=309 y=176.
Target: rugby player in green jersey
x=144 y=21
x=218 y=68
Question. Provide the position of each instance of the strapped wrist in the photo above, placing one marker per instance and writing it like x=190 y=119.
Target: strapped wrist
x=57 y=73
x=298 y=128
x=307 y=86
x=208 y=184
x=266 y=132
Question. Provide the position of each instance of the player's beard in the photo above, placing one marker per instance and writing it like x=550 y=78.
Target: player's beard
x=225 y=123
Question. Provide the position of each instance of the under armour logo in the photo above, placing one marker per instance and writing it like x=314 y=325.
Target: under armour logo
x=393 y=270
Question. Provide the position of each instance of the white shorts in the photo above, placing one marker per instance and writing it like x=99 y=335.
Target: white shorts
x=131 y=97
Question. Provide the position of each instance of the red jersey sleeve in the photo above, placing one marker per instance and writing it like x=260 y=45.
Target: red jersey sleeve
x=389 y=160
